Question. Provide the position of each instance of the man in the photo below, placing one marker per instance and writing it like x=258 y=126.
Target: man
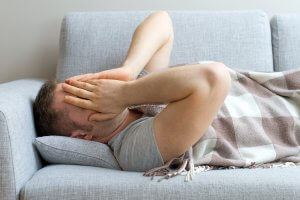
x=95 y=106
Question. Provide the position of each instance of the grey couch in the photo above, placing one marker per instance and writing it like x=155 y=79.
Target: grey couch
x=91 y=42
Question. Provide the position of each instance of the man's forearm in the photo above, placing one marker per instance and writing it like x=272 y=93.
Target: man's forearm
x=171 y=85
x=148 y=37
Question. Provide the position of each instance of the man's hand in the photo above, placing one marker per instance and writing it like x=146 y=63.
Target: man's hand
x=89 y=82
x=123 y=73
x=103 y=96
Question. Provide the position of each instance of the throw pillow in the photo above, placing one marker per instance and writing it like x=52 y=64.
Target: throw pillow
x=67 y=150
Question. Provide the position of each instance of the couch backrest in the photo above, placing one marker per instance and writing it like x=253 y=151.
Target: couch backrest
x=286 y=41
x=95 y=41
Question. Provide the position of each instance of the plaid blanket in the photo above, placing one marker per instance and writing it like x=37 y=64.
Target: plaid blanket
x=257 y=126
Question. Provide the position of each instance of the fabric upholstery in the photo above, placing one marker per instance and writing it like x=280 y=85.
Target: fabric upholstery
x=81 y=182
x=286 y=41
x=19 y=159
x=66 y=150
x=95 y=41
x=91 y=42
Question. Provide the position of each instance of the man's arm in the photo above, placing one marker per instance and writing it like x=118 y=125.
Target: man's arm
x=151 y=44
x=150 y=49
x=194 y=93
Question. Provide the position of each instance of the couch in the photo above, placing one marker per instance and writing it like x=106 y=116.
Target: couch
x=94 y=41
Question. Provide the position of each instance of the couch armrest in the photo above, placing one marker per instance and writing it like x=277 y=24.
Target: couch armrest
x=18 y=157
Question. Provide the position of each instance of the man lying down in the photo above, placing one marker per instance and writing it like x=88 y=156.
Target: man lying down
x=204 y=113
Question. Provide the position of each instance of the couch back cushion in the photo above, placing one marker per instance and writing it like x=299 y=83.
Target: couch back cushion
x=95 y=41
x=286 y=41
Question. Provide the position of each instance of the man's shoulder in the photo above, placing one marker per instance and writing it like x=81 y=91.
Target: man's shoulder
x=139 y=125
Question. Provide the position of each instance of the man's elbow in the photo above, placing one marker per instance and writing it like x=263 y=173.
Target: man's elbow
x=163 y=14
x=166 y=21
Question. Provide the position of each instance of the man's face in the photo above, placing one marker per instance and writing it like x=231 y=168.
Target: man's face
x=75 y=114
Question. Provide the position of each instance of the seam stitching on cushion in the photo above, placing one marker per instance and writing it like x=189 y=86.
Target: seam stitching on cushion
x=74 y=152
x=267 y=25
x=12 y=161
x=276 y=57
x=278 y=51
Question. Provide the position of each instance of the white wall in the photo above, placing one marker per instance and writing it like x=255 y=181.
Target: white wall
x=30 y=29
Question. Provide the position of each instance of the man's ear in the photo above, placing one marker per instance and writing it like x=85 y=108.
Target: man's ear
x=76 y=134
x=98 y=117
x=81 y=135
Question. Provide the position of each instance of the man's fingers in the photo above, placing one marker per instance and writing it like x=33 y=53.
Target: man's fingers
x=99 y=75
x=78 y=77
x=92 y=82
x=82 y=103
x=98 y=117
x=89 y=77
x=77 y=91
x=82 y=85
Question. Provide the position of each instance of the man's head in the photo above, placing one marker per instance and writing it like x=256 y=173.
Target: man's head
x=55 y=117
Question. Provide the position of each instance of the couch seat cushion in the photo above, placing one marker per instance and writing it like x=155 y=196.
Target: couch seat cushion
x=85 y=182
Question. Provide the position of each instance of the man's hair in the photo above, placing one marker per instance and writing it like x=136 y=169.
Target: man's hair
x=49 y=121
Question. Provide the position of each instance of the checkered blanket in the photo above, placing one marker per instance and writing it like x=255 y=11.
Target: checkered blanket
x=257 y=126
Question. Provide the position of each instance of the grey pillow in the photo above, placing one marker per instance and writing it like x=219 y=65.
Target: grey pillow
x=67 y=150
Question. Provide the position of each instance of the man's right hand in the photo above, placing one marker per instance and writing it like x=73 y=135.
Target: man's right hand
x=123 y=73
x=103 y=96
